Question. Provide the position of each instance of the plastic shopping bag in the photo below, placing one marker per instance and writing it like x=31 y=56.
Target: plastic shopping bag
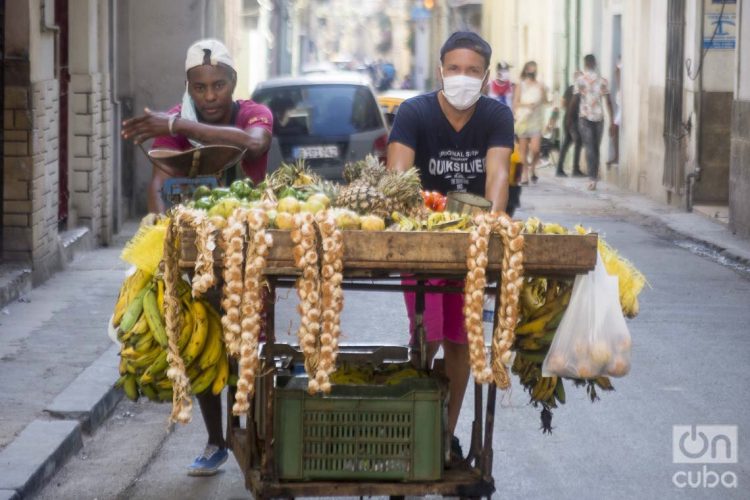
x=592 y=339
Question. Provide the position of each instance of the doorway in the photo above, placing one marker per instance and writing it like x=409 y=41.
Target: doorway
x=61 y=20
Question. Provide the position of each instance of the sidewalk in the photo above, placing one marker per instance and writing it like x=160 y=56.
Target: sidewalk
x=693 y=226
x=58 y=365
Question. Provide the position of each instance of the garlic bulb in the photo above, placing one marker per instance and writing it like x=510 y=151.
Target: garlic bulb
x=304 y=238
x=331 y=298
x=182 y=403
x=251 y=307
x=511 y=283
x=474 y=298
x=232 y=242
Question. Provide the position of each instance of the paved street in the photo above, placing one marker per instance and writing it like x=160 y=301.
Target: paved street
x=690 y=349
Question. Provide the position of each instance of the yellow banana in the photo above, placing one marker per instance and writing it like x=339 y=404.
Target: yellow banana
x=130 y=288
x=120 y=305
x=204 y=380
x=129 y=353
x=141 y=326
x=214 y=347
x=144 y=342
x=559 y=303
x=164 y=384
x=133 y=312
x=160 y=295
x=222 y=374
x=122 y=367
x=200 y=331
x=188 y=324
x=155 y=369
x=151 y=311
x=553 y=228
x=130 y=387
x=537 y=325
x=146 y=359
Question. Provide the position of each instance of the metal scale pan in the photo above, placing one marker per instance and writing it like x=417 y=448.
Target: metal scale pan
x=192 y=168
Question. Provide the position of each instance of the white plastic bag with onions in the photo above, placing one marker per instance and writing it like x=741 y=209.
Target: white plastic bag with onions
x=592 y=339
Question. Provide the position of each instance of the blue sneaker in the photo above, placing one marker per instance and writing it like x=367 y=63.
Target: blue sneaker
x=209 y=462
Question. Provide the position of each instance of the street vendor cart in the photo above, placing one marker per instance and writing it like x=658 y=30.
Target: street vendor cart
x=364 y=441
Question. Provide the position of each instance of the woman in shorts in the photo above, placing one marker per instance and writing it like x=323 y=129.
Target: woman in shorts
x=529 y=100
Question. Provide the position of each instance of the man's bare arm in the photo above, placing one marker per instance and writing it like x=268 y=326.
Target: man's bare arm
x=497 y=165
x=400 y=157
x=255 y=140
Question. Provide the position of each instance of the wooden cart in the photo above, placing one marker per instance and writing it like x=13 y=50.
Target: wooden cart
x=376 y=261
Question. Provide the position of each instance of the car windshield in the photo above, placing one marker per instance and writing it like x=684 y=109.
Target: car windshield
x=321 y=109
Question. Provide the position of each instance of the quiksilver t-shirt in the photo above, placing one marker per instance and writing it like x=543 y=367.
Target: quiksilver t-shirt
x=450 y=160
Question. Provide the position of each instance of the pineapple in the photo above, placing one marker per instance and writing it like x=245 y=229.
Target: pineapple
x=401 y=189
x=372 y=170
x=291 y=174
x=363 y=199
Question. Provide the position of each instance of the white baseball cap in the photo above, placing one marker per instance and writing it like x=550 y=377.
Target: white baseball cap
x=209 y=49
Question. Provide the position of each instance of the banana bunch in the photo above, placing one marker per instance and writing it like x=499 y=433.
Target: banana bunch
x=435 y=221
x=549 y=391
x=447 y=221
x=349 y=374
x=366 y=374
x=403 y=374
x=403 y=223
x=139 y=318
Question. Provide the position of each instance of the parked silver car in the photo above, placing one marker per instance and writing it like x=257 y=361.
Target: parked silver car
x=326 y=119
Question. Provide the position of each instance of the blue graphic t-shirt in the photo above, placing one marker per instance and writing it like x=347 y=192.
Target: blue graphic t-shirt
x=448 y=160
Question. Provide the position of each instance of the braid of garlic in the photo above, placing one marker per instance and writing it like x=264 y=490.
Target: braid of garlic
x=511 y=283
x=233 y=242
x=252 y=306
x=182 y=403
x=476 y=281
x=331 y=295
x=305 y=251
x=205 y=244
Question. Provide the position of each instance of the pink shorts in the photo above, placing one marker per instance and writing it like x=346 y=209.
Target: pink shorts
x=443 y=312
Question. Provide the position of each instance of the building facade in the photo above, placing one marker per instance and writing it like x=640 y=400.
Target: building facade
x=58 y=131
x=676 y=79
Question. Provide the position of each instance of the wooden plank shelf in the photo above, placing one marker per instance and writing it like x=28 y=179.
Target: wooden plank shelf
x=372 y=253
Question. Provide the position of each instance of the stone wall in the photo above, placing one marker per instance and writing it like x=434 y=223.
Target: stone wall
x=739 y=172
x=85 y=157
x=31 y=187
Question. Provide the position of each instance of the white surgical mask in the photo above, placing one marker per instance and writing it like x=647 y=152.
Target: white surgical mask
x=504 y=75
x=461 y=91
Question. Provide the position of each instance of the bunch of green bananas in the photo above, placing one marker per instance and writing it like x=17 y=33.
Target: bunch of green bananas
x=545 y=390
x=139 y=318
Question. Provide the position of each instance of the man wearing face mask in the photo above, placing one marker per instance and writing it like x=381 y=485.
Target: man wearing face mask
x=459 y=140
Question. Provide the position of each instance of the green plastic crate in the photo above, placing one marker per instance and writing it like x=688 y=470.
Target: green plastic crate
x=371 y=432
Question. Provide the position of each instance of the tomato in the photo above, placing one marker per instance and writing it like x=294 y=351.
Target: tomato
x=440 y=204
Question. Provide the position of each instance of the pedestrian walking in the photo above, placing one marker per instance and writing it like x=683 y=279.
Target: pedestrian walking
x=617 y=120
x=571 y=136
x=589 y=92
x=529 y=100
x=501 y=88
